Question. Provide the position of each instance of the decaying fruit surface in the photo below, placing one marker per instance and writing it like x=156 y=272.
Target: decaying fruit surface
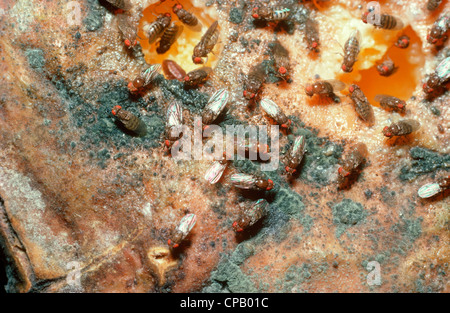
x=78 y=192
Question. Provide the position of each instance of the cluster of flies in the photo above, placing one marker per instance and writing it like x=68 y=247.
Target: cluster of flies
x=168 y=31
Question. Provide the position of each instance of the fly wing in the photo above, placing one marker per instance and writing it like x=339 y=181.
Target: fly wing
x=211 y=36
x=127 y=27
x=150 y=73
x=270 y=107
x=218 y=101
x=336 y=84
x=381 y=97
x=443 y=69
x=415 y=125
x=429 y=190
x=243 y=181
x=187 y=223
x=214 y=173
x=298 y=149
x=174 y=115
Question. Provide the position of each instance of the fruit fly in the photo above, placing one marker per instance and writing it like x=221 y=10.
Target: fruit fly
x=353 y=161
x=169 y=36
x=206 y=43
x=271 y=13
x=144 y=78
x=403 y=42
x=120 y=4
x=325 y=88
x=174 y=120
x=432 y=189
x=248 y=181
x=183 y=229
x=214 y=173
x=295 y=155
x=439 y=31
x=274 y=112
x=391 y=103
x=256 y=77
x=437 y=80
x=433 y=4
x=184 y=16
x=128 y=28
x=351 y=51
x=249 y=216
x=386 y=68
x=401 y=128
x=215 y=106
x=154 y=30
x=281 y=57
x=197 y=77
x=130 y=121
x=172 y=70
x=385 y=21
x=312 y=35
x=361 y=104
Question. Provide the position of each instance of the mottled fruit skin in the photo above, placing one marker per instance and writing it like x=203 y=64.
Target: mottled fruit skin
x=401 y=128
x=361 y=104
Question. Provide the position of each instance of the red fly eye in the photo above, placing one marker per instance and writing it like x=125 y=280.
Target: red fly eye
x=405 y=41
x=314 y=45
x=270 y=184
x=245 y=93
x=309 y=89
x=167 y=142
x=385 y=68
x=351 y=88
x=169 y=242
x=179 y=6
x=284 y=125
x=344 y=68
x=186 y=78
x=135 y=42
x=346 y=174
x=340 y=170
x=127 y=42
x=197 y=60
x=282 y=70
x=400 y=105
x=130 y=85
x=176 y=245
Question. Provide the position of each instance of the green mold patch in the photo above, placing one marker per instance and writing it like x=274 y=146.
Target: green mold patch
x=424 y=162
x=346 y=214
x=228 y=277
